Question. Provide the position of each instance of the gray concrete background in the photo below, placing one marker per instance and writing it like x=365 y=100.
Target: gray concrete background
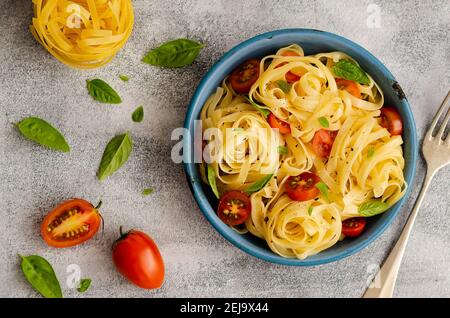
x=413 y=42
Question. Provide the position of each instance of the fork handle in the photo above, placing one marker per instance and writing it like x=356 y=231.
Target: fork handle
x=387 y=275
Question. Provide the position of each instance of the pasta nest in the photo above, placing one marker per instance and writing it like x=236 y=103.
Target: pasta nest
x=82 y=33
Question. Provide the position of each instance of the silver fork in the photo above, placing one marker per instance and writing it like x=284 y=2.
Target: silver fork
x=436 y=152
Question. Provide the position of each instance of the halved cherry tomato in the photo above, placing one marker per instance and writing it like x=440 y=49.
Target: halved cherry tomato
x=71 y=223
x=349 y=86
x=323 y=142
x=234 y=208
x=391 y=120
x=245 y=76
x=137 y=257
x=302 y=187
x=353 y=227
x=279 y=124
x=289 y=53
x=290 y=77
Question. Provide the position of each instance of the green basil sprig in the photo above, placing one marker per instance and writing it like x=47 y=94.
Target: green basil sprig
x=40 y=131
x=124 y=77
x=147 y=191
x=40 y=274
x=373 y=207
x=370 y=152
x=258 y=185
x=138 y=114
x=283 y=150
x=173 y=54
x=323 y=121
x=323 y=190
x=350 y=71
x=212 y=181
x=102 y=92
x=262 y=110
x=115 y=155
x=284 y=86
x=85 y=283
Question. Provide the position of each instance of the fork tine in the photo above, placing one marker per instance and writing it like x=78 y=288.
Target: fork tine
x=440 y=133
x=438 y=115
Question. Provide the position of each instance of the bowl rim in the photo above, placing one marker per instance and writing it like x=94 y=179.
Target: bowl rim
x=194 y=181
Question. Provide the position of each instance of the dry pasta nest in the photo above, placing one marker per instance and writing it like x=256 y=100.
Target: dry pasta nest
x=82 y=33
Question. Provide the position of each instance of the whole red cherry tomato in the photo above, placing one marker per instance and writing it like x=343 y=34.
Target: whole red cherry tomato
x=137 y=257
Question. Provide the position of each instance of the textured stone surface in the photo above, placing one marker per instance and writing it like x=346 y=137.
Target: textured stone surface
x=412 y=41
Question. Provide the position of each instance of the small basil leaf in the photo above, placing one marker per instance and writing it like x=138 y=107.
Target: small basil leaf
x=102 y=92
x=172 y=54
x=260 y=108
x=258 y=185
x=115 y=155
x=370 y=152
x=310 y=209
x=284 y=86
x=373 y=207
x=350 y=71
x=40 y=131
x=40 y=274
x=147 y=191
x=324 y=122
x=138 y=114
x=85 y=283
x=323 y=190
x=282 y=150
x=124 y=78
x=212 y=181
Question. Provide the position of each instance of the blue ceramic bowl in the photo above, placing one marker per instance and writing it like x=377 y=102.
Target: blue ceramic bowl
x=312 y=41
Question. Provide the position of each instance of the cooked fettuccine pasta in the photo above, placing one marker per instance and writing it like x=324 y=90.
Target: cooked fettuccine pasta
x=300 y=150
x=82 y=33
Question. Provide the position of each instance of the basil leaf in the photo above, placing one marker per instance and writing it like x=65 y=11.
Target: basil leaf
x=263 y=111
x=373 y=207
x=212 y=181
x=350 y=71
x=370 y=152
x=147 y=191
x=323 y=190
x=102 y=92
x=115 y=155
x=310 y=209
x=138 y=114
x=282 y=150
x=284 y=86
x=40 y=274
x=40 y=131
x=85 y=283
x=258 y=185
x=172 y=54
x=324 y=122
x=124 y=78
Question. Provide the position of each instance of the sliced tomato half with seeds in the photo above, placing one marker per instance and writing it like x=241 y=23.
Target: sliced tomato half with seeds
x=353 y=227
x=245 y=76
x=283 y=126
x=322 y=142
x=302 y=187
x=71 y=223
x=234 y=208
